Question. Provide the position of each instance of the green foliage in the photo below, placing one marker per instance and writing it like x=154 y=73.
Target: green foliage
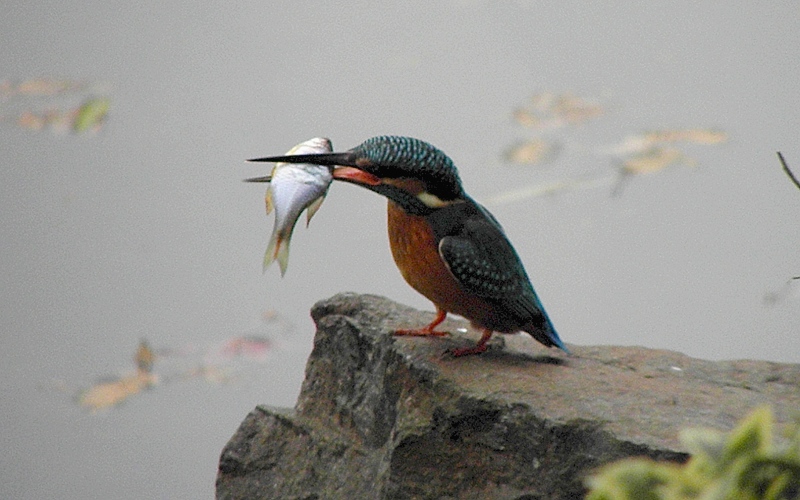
x=744 y=464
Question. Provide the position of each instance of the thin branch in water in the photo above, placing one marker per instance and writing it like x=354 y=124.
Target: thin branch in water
x=788 y=172
x=537 y=190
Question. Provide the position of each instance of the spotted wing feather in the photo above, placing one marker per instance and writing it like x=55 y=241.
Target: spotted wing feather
x=482 y=260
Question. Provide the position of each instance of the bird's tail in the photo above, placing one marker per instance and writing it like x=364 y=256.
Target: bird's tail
x=547 y=335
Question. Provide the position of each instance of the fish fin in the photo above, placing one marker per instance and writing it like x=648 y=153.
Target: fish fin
x=268 y=200
x=312 y=208
x=278 y=249
x=282 y=254
x=275 y=242
x=269 y=255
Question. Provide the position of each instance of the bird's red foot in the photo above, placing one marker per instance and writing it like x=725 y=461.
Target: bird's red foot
x=478 y=348
x=427 y=331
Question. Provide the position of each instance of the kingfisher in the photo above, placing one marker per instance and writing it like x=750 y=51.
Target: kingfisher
x=447 y=246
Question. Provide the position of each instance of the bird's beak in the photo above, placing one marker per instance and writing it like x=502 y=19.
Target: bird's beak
x=266 y=178
x=346 y=166
x=346 y=158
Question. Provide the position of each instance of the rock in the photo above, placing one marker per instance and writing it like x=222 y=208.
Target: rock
x=392 y=417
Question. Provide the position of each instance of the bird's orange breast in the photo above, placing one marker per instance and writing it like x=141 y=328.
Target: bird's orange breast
x=416 y=253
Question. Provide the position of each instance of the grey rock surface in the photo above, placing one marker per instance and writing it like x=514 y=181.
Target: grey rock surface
x=394 y=417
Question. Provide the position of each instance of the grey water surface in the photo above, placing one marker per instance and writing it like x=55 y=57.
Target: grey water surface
x=145 y=230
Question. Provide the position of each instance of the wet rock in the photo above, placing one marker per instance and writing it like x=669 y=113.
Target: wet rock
x=392 y=417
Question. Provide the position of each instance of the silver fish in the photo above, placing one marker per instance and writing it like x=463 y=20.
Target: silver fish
x=294 y=187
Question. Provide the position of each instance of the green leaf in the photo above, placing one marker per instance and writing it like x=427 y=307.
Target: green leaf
x=91 y=113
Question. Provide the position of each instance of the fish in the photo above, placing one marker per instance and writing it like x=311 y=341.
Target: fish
x=293 y=188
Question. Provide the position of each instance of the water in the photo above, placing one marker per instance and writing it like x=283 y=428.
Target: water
x=145 y=230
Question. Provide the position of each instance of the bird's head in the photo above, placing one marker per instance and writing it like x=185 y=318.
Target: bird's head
x=412 y=173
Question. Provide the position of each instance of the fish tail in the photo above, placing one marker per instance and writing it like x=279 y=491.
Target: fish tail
x=278 y=249
x=283 y=255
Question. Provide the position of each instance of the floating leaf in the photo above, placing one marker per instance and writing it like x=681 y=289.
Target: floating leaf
x=525 y=117
x=551 y=110
x=576 y=110
x=530 y=152
x=107 y=394
x=652 y=160
x=634 y=144
x=31 y=121
x=145 y=357
x=44 y=87
x=693 y=135
x=91 y=114
x=56 y=105
x=252 y=347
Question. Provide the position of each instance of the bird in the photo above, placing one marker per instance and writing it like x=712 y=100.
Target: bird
x=446 y=245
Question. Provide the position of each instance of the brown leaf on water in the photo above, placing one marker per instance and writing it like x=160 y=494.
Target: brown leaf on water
x=31 y=121
x=648 y=141
x=692 y=135
x=269 y=315
x=525 y=117
x=653 y=160
x=108 y=394
x=577 y=110
x=214 y=365
x=250 y=346
x=53 y=119
x=209 y=373
x=551 y=110
x=530 y=152
x=44 y=87
x=52 y=104
x=145 y=357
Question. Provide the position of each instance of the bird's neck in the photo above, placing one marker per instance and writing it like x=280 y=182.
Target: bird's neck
x=404 y=199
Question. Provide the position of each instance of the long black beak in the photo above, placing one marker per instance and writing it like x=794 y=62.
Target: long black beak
x=347 y=159
x=266 y=178
x=346 y=163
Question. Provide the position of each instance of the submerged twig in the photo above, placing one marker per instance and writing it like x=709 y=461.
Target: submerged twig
x=788 y=172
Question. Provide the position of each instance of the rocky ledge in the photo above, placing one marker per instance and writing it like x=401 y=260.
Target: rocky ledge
x=391 y=417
